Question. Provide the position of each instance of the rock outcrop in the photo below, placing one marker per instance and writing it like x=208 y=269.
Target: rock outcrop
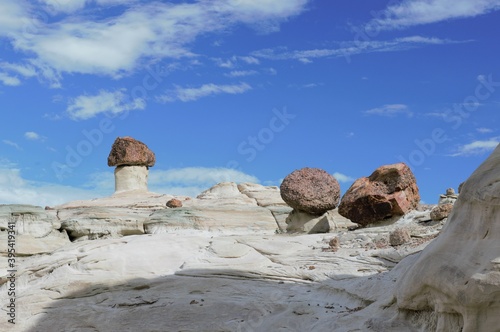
x=310 y=190
x=132 y=159
x=389 y=191
x=38 y=231
x=455 y=281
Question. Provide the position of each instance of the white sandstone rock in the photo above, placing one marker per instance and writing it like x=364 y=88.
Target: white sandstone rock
x=453 y=284
x=219 y=219
x=129 y=178
x=37 y=230
x=264 y=195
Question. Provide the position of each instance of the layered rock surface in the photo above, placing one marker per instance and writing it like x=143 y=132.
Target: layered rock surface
x=182 y=280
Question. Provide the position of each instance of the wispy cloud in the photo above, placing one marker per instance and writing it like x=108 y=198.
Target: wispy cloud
x=350 y=48
x=483 y=130
x=116 y=102
x=342 y=177
x=9 y=80
x=13 y=144
x=390 y=110
x=477 y=147
x=236 y=61
x=417 y=12
x=191 y=94
x=32 y=136
x=241 y=73
x=12 y=71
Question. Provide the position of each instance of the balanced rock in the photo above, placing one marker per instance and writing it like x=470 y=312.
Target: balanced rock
x=310 y=190
x=441 y=211
x=127 y=151
x=389 y=191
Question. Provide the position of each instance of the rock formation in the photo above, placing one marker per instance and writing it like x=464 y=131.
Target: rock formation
x=455 y=281
x=38 y=231
x=219 y=255
x=389 y=191
x=449 y=198
x=310 y=190
x=132 y=159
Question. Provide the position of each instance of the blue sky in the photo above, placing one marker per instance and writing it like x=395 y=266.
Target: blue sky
x=244 y=90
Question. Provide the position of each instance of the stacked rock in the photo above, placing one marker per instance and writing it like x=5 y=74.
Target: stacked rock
x=312 y=193
x=132 y=159
x=449 y=197
x=445 y=205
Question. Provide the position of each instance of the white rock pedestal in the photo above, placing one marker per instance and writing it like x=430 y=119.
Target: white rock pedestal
x=128 y=178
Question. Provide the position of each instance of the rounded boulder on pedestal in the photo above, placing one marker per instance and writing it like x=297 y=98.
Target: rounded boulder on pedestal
x=127 y=151
x=310 y=190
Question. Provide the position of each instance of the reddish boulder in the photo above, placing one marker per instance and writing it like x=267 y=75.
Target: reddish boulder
x=389 y=191
x=127 y=151
x=310 y=190
x=174 y=203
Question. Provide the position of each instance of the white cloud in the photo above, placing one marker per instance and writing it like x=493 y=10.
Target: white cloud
x=14 y=189
x=70 y=6
x=342 y=177
x=86 y=107
x=477 y=147
x=416 y=12
x=484 y=130
x=249 y=60
x=191 y=94
x=241 y=73
x=31 y=135
x=12 y=13
x=9 y=80
x=123 y=43
x=191 y=181
x=347 y=49
x=390 y=110
x=13 y=144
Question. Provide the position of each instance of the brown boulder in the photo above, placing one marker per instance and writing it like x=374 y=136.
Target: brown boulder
x=127 y=151
x=174 y=203
x=441 y=211
x=310 y=190
x=389 y=191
